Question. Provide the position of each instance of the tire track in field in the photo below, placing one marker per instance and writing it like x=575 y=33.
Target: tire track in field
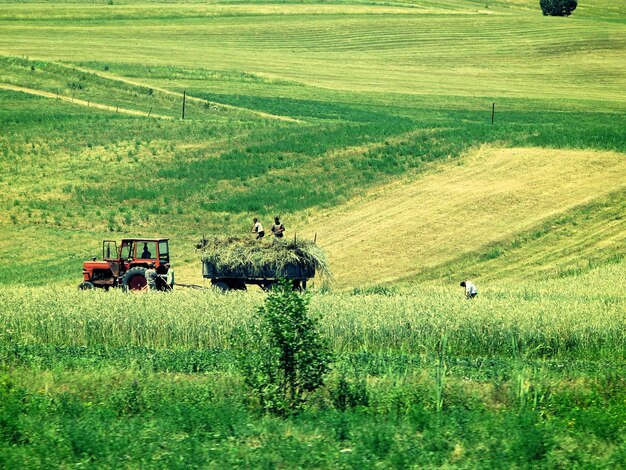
x=128 y=81
x=79 y=102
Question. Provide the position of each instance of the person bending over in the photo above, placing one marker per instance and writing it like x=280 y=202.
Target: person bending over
x=257 y=228
x=470 y=289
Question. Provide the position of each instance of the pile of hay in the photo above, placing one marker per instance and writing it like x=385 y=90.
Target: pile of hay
x=251 y=257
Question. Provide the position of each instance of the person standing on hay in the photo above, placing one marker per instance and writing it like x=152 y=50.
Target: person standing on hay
x=257 y=228
x=470 y=289
x=278 y=229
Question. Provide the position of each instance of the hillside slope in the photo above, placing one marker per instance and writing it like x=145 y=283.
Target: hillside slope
x=406 y=230
x=294 y=109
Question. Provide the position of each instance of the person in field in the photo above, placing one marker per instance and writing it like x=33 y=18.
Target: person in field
x=151 y=277
x=257 y=228
x=170 y=276
x=165 y=281
x=278 y=229
x=470 y=289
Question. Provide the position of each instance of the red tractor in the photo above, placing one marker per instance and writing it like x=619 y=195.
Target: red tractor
x=125 y=266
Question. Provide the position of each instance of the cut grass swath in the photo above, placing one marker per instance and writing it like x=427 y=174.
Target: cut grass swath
x=252 y=258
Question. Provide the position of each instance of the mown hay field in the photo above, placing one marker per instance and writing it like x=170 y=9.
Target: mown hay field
x=462 y=207
x=458 y=48
x=292 y=109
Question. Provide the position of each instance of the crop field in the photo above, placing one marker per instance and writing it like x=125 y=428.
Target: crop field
x=367 y=126
x=528 y=376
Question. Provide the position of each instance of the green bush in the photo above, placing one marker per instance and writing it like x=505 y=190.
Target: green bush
x=285 y=358
x=349 y=393
x=558 y=7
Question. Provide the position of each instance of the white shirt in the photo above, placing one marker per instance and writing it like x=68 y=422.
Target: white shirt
x=470 y=288
x=258 y=227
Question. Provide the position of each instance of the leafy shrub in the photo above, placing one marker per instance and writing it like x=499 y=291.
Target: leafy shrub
x=558 y=7
x=349 y=394
x=287 y=358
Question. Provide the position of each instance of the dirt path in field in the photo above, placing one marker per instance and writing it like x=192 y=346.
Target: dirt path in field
x=455 y=208
x=119 y=78
x=79 y=102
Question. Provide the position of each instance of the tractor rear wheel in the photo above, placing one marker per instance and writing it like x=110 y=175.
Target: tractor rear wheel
x=134 y=279
x=86 y=285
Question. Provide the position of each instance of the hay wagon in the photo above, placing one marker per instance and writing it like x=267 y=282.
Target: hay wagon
x=232 y=263
x=265 y=276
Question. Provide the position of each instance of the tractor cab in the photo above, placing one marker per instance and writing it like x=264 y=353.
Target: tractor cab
x=142 y=252
x=124 y=265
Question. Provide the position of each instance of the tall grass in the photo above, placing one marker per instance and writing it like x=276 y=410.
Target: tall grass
x=530 y=376
x=573 y=319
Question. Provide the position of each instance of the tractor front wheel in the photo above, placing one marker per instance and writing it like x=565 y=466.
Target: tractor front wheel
x=86 y=285
x=134 y=279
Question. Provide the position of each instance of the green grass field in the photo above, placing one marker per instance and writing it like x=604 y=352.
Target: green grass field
x=368 y=125
x=530 y=376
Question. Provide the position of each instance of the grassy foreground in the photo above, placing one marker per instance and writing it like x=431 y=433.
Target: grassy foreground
x=528 y=377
